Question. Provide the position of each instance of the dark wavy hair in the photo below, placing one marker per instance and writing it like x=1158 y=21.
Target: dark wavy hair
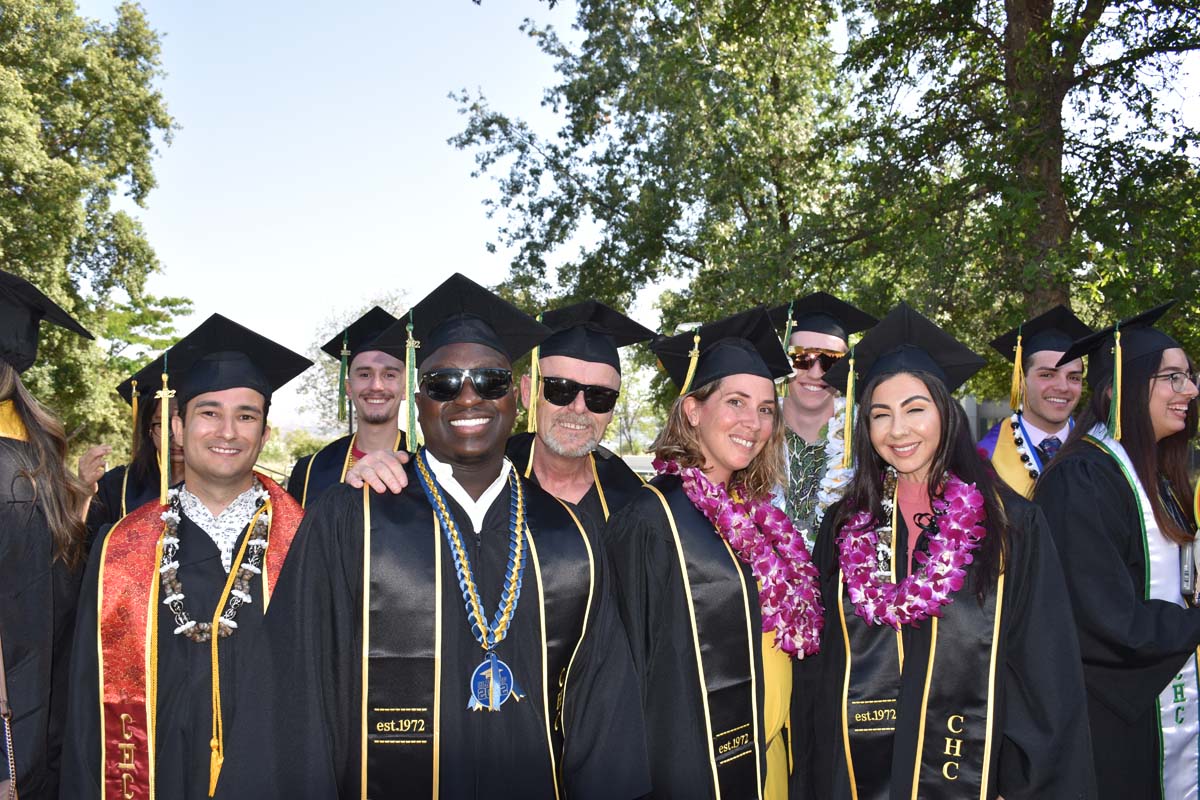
x=58 y=491
x=955 y=453
x=1151 y=458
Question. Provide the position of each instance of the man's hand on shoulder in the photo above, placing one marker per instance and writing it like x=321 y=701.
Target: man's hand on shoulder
x=382 y=470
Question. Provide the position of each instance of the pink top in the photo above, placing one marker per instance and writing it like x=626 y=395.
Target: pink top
x=913 y=497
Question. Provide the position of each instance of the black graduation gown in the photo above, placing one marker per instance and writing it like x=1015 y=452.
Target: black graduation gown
x=620 y=483
x=656 y=614
x=303 y=737
x=37 y=612
x=1040 y=735
x=106 y=508
x=1131 y=647
x=184 y=708
x=306 y=484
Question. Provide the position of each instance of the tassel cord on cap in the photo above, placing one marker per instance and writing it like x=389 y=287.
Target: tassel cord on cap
x=787 y=338
x=848 y=430
x=693 y=359
x=343 y=373
x=411 y=346
x=1114 y=406
x=133 y=401
x=1016 y=393
x=535 y=392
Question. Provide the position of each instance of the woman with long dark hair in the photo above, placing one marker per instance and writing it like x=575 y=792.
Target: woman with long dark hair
x=947 y=668
x=1118 y=501
x=715 y=584
x=126 y=487
x=41 y=547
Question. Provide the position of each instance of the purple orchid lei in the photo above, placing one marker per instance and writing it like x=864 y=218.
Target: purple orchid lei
x=764 y=537
x=959 y=521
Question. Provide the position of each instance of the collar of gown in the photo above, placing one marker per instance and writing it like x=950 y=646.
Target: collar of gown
x=476 y=509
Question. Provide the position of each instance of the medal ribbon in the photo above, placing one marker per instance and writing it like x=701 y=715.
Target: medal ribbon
x=488 y=636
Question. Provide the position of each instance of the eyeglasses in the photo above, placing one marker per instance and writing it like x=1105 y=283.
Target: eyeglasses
x=804 y=357
x=444 y=385
x=563 y=391
x=1180 y=381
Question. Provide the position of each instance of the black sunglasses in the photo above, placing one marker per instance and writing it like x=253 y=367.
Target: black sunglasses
x=444 y=385
x=563 y=391
x=804 y=359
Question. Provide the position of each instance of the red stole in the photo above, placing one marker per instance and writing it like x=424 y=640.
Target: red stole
x=127 y=600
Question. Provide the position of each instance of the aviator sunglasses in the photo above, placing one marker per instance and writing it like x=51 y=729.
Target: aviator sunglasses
x=444 y=385
x=804 y=358
x=563 y=391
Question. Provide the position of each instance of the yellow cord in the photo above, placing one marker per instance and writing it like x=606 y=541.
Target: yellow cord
x=164 y=464
x=1115 y=411
x=133 y=401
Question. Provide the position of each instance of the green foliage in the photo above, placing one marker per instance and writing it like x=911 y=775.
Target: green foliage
x=982 y=160
x=80 y=119
x=319 y=386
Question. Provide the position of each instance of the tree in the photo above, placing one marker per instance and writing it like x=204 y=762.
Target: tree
x=319 y=385
x=80 y=119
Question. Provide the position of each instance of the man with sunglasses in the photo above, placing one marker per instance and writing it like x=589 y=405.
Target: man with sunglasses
x=458 y=638
x=1043 y=397
x=374 y=382
x=574 y=383
x=816 y=329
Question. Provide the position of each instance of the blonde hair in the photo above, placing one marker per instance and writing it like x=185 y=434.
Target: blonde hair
x=59 y=493
x=679 y=441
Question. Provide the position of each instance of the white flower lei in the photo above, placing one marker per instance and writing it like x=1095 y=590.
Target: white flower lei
x=833 y=484
x=1021 y=442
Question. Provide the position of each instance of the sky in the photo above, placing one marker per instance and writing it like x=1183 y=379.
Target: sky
x=310 y=173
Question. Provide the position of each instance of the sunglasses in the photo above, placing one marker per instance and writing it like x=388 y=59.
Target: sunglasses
x=444 y=385
x=563 y=391
x=804 y=358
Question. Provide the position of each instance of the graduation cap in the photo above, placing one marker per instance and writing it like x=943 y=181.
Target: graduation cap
x=22 y=308
x=903 y=341
x=820 y=312
x=1055 y=331
x=589 y=331
x=358 y=337
x=1109 y=349
x=742 y=344
x=456 y=312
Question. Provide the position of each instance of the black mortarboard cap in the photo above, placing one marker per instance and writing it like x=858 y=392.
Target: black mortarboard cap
x=742 y=344
x=590 y=331
x=462 y=311
x=221 y=354
x=905 y=341
x=22 y=308
x=360 y=335
x=148 y=379
x=823 y=313
x=1138 y=339
x=1055 y=330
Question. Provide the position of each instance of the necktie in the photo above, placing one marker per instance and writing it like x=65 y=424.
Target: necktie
x=1049 y=447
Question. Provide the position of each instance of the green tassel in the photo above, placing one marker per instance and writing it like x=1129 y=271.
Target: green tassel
x=410 y=384
x=342 y=373
x=787 y=337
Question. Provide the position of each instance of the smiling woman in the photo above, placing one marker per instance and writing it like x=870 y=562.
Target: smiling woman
x=707 y=566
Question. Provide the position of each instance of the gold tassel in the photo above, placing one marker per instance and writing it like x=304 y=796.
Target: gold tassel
x=787 y=338
x=535 y=391
x=1017 y=391
x=410 y=380
x=133 y=397
x=1114 y=408
x=848 y=430
x=693 y=358
x=164 y=395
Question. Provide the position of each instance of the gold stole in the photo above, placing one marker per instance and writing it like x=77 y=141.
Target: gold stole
x=1007 y=461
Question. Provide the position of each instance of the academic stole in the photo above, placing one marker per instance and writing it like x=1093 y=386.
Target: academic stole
x=954 y=752
x=403 y=597
x=127 y=621
x=1178 y=704
x=717 y=586
x=1007 y=460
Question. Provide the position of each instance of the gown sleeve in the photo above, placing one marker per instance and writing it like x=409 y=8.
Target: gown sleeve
x=604 y=756
x=1046 y=748
x=1131 y=646
x=297 y=727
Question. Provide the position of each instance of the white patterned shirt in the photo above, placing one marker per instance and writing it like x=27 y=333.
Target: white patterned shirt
x=225 y=528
